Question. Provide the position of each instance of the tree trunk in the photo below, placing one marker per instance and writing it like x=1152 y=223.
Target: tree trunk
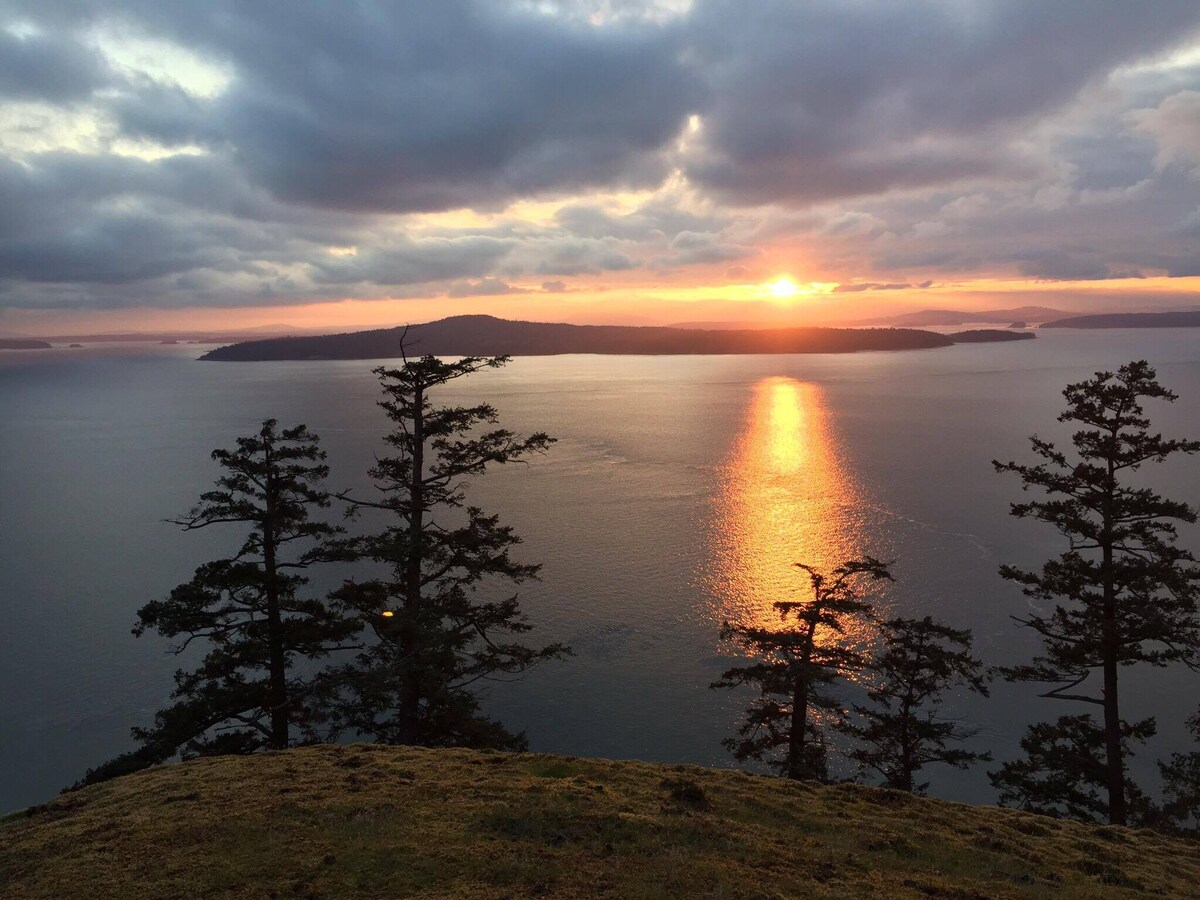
x=410 y=693
x=1114 y=758
x=278 y=695
x=906 y=760
x=797 y=766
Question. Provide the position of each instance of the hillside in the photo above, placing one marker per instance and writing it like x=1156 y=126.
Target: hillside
x=489 y=336
x=1189 y=319
x=374 y=822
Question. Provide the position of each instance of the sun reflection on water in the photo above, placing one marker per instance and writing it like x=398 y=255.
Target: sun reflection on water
x=786 y=497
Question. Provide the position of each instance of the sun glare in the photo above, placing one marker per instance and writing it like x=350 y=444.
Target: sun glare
x=783 y=288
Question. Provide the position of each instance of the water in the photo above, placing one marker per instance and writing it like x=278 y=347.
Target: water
x=680 y=491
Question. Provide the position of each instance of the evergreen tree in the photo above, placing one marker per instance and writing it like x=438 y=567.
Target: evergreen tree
x=799 y=662
x=436 y=637
x=1064 y=771
x=245 y=694
x=1181 y=778
x=1123 y=592
x=901 y=731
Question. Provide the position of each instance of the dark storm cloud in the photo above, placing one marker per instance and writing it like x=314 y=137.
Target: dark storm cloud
x=428 y=106
x=901 y=140
x=48 y=68
x=404 y=261
x=583 y=257
x=814 y=102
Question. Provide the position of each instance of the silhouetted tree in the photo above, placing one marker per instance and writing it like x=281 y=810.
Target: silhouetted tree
x=1123 y=592
x=436 y=636
x=1181 y=780
x=245 y=694
x=1064 y=771
x=798 y=664
x=901 y=730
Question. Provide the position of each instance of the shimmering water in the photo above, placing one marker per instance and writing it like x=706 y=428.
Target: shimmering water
x=679 y=494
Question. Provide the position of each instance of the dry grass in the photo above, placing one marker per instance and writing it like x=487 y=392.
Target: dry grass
x=368 y=821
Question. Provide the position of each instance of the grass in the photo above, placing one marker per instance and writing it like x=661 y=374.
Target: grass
x=375 y=822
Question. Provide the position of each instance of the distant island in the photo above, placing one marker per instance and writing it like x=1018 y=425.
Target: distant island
x=948 y=317
x=489 y=336
x=989 y=336
x=11 y=344
x=1190 y=319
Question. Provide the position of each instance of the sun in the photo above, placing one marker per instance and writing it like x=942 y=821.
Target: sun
x=783 y=288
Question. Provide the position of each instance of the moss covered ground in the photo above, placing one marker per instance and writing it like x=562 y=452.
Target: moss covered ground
x=376 y=822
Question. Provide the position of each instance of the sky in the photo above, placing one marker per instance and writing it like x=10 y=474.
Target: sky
x=332 y=165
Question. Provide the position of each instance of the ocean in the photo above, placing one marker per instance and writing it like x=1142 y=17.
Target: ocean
x=679 y=494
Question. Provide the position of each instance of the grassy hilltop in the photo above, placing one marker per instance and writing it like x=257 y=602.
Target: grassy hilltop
x=372 y=821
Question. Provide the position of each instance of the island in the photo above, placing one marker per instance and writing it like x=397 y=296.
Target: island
x=926 y=318
x=989 y=335
x=12 y=344
x=480 y=335
x=1187 y=319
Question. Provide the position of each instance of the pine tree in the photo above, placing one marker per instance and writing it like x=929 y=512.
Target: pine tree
x=1064 y=771
x=798 y=664
x=436 y=637
x=1181 y=779
x=247 y=610
x=901 y=732
x=1123 y=592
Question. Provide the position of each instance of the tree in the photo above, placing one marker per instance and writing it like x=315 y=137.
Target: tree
x=1181 y=778
x=798 y=664
x=1123 y=592
x=900 y=731
x=1064 y=771
x=436 y=637
x=245 y=694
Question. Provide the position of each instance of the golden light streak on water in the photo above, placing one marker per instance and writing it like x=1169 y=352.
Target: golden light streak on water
x=786 y=498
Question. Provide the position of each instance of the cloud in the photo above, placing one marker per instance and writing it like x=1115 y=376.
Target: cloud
x=227 y=153
x=1175 y=125
x=819 y=101
x=858 y=286
x=48 y=67
x=484 y=287
x=423 y=107
x=401 y=261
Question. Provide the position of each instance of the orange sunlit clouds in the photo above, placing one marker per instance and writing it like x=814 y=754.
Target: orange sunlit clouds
x=631 y=298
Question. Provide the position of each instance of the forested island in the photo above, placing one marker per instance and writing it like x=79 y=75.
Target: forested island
x=491 y=336
x=14 y=344
x=1188 y=319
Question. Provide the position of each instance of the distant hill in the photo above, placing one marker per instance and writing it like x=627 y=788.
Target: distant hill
x=1190 y=319
x=371 y=821
x=489 y=336
x=21 y=344
x=944 y=317
x=989 y=335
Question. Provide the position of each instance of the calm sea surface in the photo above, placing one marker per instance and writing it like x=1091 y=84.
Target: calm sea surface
x=679 y=493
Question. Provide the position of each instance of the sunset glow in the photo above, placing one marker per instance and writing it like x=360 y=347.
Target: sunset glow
x=784 y=288
x=787 y=498
x=228 y=191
